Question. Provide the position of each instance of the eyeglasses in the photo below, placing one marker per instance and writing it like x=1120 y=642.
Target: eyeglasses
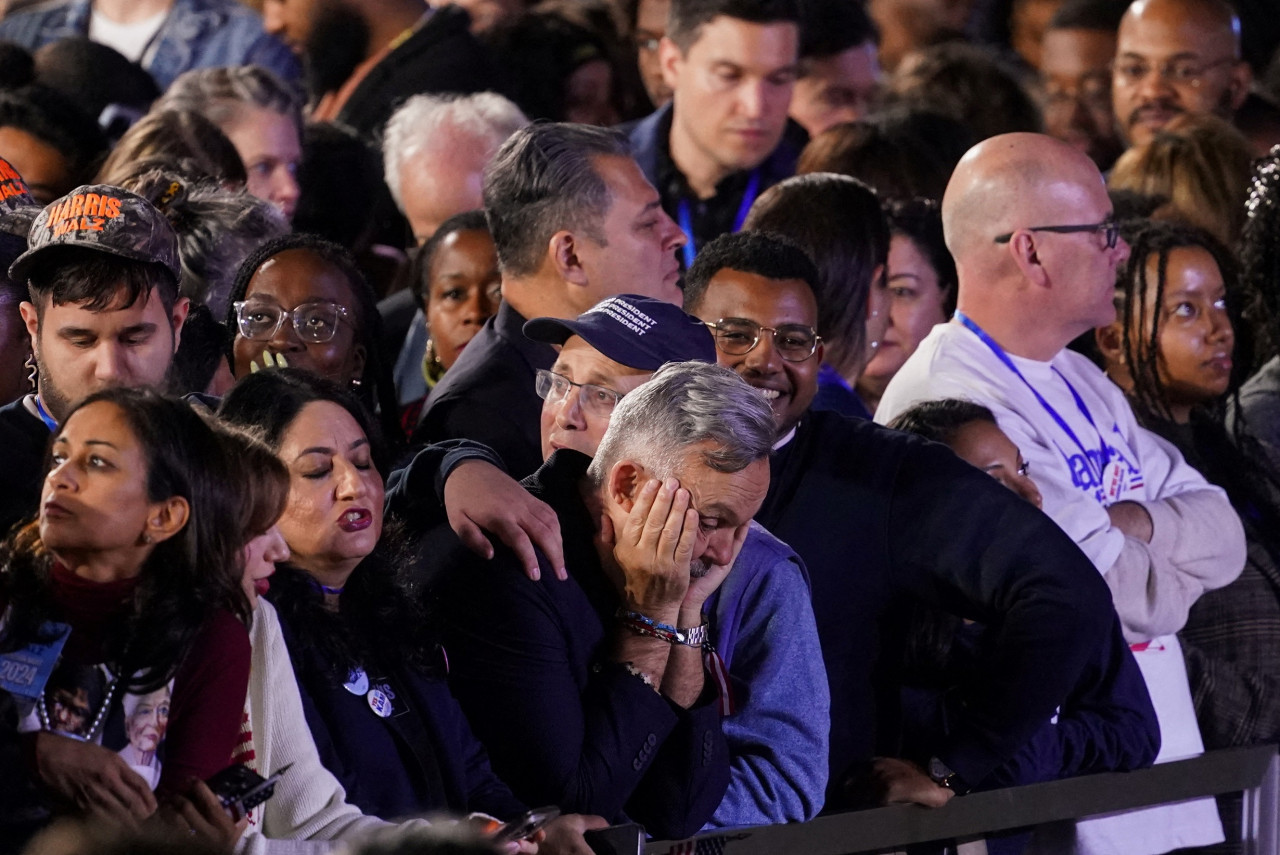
x=315 y=322
x=647 y=41
x=1093 y=90
x=1175 y=72
x=739 y=336
x=1109 y=229
x=597 y=400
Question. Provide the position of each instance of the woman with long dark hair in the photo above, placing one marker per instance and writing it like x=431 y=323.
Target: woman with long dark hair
x=362 y=649
x=129 y=572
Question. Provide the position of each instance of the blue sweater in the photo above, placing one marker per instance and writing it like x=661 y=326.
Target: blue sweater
x=762 y=625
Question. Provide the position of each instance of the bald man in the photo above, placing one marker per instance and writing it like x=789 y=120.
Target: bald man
x=1174 y=57
x=1028 y=220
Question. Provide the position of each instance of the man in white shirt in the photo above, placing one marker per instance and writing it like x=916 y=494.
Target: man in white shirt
x=1031 y=227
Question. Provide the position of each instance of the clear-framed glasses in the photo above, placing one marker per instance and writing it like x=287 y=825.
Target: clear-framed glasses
x=315 y=322
x=1182 y=71
x=597 y=400
x=739 y=336
x=1109 y=229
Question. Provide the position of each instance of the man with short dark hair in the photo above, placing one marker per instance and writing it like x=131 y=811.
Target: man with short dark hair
x=732 y=66
x=878 y=516
x=102 y=270
x=839 y=65
x=1075 y=73
x=593 y=694
x=1175 y=57
x=574 y=221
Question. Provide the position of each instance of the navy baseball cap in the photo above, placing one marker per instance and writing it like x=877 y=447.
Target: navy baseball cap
x=638 y=332
x=103 y=218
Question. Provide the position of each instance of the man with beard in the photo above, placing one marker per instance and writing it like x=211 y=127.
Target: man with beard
x=102 y=272
x=593 y=694
x=362 y=57
x=1174 y=57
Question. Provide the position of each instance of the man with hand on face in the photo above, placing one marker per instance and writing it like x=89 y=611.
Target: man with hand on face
x=593 y=694
x=1175 y=57
x=721 y=142
x=774 y=696
x=878 y=516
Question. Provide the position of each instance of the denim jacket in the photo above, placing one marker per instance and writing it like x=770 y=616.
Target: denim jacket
x=196 y=34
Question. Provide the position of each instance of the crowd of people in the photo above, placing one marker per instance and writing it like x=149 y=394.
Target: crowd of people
x=696 y=413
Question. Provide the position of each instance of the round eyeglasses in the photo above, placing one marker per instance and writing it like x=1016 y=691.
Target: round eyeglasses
x=739 y=336
x=597 y=400
x=315 y=322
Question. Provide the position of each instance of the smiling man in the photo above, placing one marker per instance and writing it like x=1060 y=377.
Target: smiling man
x=102 y=272
x=857 y=503
x=1175 y=57
x=732 y=66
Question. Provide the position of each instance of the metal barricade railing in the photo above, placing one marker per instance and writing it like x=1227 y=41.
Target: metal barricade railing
x=1254 y=770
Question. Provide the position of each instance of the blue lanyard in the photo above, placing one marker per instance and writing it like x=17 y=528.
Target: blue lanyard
x=45 y=417
x=1103 y=455
x=686 y=219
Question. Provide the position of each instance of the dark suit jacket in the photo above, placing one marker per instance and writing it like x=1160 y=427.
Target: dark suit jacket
x=24 y=439
x=563 y=724
x=440 y=57
x=488 y=395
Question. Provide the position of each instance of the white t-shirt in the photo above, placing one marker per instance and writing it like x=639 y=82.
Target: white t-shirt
x=1086 y=451
x=131 y=40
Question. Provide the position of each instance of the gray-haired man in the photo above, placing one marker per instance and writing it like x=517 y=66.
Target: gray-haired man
x=593 y=694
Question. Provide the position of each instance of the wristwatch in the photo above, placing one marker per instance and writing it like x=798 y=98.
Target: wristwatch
x=944 y=776
x=693 y=636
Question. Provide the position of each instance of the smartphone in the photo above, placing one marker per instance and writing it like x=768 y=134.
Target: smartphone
x=240 y=789
x=525 y=825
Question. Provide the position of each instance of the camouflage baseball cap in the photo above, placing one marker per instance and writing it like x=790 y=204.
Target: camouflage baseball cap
x=18 y=209
x=108 y=219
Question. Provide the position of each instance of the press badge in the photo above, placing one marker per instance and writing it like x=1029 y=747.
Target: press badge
x=25 y=671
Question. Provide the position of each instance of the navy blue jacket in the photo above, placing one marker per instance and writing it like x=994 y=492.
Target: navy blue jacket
x=383 y=774
x=1105 y=724
x=488 y=395
x=649 y=146
x=877 y=515
x=24 y=439
x=564 y=725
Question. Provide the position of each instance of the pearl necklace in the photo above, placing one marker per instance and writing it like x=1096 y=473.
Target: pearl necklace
x=43 y=712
